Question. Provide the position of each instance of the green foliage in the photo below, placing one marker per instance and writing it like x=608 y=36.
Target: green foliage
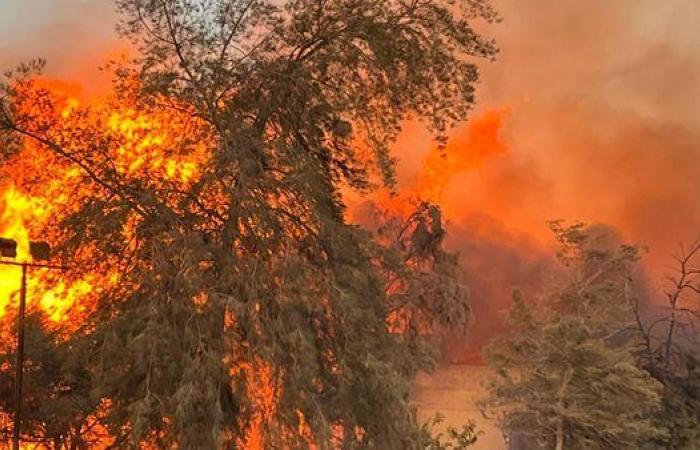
x=452 y=438
x=566 y=375
x=250 y=274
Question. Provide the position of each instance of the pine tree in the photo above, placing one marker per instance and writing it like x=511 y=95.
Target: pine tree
x=567 y=376
x=246 y=306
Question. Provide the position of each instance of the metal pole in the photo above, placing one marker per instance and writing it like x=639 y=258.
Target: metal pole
x=20 y=359
x=42 y=252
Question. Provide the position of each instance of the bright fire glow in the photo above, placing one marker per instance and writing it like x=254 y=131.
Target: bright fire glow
x=147 y=147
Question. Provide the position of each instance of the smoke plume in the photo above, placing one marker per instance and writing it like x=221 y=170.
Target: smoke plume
x=589 y=114
x=598 y=123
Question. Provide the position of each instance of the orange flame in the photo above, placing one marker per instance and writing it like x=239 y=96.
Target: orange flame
x=147 y=146
x=39 y=190
x=467 y=150
x=260 y=386
x=464 y=152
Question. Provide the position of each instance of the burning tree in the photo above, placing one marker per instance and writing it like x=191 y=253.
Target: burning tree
x=234 y=305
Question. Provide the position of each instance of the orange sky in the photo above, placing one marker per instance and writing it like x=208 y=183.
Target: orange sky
x=590 y=113
x=601 y=95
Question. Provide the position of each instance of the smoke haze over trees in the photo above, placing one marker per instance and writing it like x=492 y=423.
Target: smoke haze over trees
x=588 y=113
x=601 y=128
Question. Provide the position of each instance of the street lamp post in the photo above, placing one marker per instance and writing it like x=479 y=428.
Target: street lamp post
x=39 y=251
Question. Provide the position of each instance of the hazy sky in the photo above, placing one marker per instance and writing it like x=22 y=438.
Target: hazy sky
x=603 y=93
x=604 y=123
x=73 y=35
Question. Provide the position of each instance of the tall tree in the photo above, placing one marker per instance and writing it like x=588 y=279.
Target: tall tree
x=567 y=376
x=242 y=307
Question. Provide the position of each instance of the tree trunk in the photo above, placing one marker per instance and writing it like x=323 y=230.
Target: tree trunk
x=561 y=406
x=560 y=434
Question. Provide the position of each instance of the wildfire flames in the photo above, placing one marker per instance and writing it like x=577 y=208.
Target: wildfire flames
x=56 y=301
x=465 y=152
x=148 y=143
x=25 y=215
x=147 y=147
x=495 y=202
